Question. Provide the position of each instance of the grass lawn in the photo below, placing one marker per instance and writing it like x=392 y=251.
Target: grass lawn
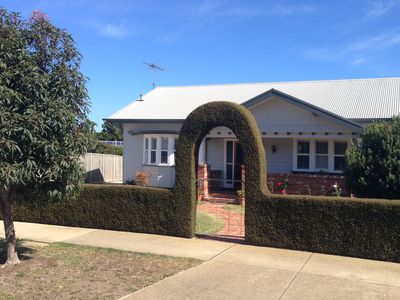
x=239 y=209
x=65 y=271
x=208 y=223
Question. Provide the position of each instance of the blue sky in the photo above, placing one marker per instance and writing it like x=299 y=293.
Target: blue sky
x=222 y=41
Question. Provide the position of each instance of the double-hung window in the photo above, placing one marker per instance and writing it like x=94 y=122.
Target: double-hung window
x=339 y=156
x=303 y=155
x=321 y=155
x=153 y=150
x=164 y=150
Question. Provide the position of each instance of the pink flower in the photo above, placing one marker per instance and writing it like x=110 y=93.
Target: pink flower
x=38 y=15
x=283 y=191
x=279 y=184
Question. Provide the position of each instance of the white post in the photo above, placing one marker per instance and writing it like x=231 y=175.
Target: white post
x=202 y=152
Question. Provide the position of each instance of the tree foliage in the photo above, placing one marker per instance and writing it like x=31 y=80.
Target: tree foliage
x=110 y=131
x=100 y=147
x=44 y=103
x=373 y=167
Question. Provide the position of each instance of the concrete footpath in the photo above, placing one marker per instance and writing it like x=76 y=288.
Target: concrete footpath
x=235 y=271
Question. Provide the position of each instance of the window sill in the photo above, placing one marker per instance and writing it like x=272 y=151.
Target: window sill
x=157 y=165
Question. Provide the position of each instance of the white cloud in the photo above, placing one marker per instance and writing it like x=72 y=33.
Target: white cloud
x=111 y=30
x=374 y=43
x=379 y=8
x=356 y=53
x=358 y=61
x=276 y=9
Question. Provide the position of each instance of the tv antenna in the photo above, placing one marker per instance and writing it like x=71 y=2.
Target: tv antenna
x=155 y=68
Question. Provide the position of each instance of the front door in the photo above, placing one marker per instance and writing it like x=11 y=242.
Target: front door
x=233 y=163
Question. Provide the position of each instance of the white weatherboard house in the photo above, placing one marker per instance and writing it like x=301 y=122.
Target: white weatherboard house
x=306 y=126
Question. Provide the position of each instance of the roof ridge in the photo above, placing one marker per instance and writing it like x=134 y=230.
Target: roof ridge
x=274 y=82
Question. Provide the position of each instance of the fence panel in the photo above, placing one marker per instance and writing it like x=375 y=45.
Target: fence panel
x=102 y=167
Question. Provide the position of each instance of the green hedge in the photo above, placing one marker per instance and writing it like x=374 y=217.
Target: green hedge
x=115 y=207
x=195 y=128
x=343 y=226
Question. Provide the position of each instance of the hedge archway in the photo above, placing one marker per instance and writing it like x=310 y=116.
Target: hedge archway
x=194 y=129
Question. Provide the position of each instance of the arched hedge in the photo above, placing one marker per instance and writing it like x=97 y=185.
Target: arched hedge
x=195 y=128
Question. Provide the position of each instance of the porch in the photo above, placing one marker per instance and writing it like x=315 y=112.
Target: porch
x=310 y=163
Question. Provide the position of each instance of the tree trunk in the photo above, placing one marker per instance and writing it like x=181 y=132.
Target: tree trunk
x=6 y=200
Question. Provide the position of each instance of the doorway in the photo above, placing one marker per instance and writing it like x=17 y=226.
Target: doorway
x=233 y=164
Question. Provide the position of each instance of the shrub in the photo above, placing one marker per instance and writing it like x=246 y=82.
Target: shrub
x=373 y=167
x=106 y=149
x=142 y=178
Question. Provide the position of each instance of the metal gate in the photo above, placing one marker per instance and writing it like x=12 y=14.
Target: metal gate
x=220 y=211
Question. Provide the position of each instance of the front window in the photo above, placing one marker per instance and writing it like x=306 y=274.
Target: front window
x=303 y=155
x=339 y=157
x=159 y=149
x=321 y=155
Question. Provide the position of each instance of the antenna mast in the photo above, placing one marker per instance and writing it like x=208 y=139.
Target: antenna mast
x=155 y=68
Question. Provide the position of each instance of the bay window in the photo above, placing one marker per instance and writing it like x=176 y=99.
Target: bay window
x=159 y=150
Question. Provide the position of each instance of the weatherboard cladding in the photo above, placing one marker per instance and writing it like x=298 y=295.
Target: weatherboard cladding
x=352 y=99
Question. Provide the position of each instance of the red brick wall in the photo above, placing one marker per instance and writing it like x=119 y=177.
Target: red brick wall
x=305 y=184
x=203 y=172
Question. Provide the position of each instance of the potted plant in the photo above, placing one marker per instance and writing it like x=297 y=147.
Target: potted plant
x=283 y=185
x=241 y=195
x=335 y=190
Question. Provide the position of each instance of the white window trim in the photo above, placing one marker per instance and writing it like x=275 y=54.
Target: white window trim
x=171 y=150
x=331 y=155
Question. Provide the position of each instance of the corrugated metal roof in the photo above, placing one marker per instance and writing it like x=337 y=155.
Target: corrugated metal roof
x=353 y=99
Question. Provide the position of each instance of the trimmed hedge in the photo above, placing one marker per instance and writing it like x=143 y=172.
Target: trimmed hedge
x=114 y=207
x=343 y=226
x=354 y=227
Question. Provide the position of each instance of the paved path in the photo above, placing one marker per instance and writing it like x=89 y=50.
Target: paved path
x=234 y=221
x=234 y=271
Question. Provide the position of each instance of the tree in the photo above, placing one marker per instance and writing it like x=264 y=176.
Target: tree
x=110 y=131
x=106 y=149
x=44 y=104
x=373 y=167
